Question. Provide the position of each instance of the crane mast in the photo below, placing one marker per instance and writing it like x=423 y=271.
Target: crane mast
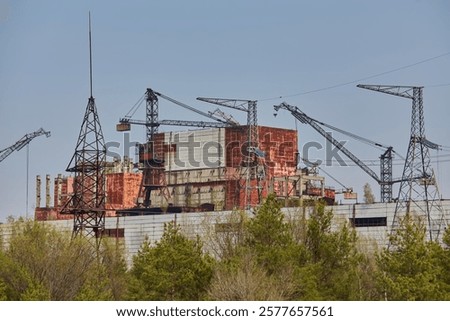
x=386 y=159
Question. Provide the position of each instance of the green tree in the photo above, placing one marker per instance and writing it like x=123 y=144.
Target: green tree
x=108 y=278
x=42 y=263
x=51 y=259
x=410 y=269
x=332 y=269
x=271 y=239
x=444 y=263
x=174 y=269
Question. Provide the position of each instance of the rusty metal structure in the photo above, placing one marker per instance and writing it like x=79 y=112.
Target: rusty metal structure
x=87 y=203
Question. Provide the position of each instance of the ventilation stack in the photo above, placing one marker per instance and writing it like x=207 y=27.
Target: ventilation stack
x=38 y=190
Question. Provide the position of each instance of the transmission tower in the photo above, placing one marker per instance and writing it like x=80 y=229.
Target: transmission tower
x=87 y=203
x=252 y=168
x=419 y=192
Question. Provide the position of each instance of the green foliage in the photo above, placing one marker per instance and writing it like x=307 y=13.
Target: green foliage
x=270 y=237
x=3 y=296
x=42 y=263
x=411 y=269
x=298 y=259
x=35 y=292
x=444 y=263
x=446 y=237
x=253 y=262
x=174 y=269
x=305 y=256
x=14 y=279
x=107 y=279
x=331 y=270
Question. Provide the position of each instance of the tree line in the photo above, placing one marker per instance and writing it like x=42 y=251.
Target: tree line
x=265 y=257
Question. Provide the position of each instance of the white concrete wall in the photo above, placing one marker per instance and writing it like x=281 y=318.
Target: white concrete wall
x=137 y=228
x=208 y=150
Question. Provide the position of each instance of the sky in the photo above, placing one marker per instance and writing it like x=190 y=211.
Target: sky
x=311 y=54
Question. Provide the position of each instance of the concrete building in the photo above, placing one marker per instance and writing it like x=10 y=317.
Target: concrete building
x=202 y=170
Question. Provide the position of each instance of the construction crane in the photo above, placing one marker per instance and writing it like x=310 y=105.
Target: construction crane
x=153 y=164
x=253 y=168
x=385 y=180
x=419 y=191
x=21 y=143
x=152 y=122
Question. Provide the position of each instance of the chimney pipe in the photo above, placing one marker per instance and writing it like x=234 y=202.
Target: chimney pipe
x=47 y=190
x=58 y=191
x=38 y=191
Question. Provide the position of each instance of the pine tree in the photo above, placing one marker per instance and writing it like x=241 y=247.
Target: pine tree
x=331 y=271
x=270 y=237
x=174 y=269
x=410 y=269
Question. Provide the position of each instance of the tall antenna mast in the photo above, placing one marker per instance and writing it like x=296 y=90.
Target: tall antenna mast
x=90 y=54
x=87 y=204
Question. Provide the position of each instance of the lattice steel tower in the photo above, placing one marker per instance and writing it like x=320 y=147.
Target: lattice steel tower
x=87 y=203
x=419 y=192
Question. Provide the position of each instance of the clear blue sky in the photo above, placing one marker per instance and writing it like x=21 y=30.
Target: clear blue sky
x=233 y=49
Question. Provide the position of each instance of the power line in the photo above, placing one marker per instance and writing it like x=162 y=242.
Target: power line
x=370 y=163
x=362 y=79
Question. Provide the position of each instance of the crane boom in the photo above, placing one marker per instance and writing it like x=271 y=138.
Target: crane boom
x=238 y=104
x=21 y=143
x=302 y=117
x=188 y=123
x=195 y=110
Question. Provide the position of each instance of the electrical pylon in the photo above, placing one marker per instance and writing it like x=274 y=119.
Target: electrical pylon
x=419 y=191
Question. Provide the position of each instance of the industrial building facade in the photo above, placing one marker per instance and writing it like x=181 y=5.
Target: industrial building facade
x=201 y=170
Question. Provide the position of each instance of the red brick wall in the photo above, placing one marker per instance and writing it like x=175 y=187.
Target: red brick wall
x=122 y=190
x=280 y=147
